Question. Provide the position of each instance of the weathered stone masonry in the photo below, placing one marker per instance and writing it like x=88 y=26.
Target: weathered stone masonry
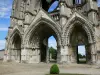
x=71 y=23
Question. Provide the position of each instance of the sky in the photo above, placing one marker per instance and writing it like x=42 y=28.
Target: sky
x=5 y=12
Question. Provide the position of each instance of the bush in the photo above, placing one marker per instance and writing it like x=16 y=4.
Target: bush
x=54 y=69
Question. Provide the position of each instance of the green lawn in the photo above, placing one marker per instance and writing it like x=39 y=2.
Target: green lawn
x=65 y=74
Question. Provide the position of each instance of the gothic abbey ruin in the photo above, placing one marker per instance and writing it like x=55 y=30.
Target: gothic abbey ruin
x=72 y=23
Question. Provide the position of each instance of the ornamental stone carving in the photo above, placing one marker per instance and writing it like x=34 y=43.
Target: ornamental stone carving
x=71 y=23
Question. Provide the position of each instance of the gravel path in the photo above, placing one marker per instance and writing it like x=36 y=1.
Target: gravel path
x=9 y=68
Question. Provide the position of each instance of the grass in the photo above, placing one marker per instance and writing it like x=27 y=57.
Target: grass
x=66 y=74
x=82 y=62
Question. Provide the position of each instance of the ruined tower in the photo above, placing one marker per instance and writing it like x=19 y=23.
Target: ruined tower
x=72 y=23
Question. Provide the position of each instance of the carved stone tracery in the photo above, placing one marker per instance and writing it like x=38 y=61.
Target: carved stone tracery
x=32 y=25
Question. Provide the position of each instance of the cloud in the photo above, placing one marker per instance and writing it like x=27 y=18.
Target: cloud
x=98 y=3
x=81 y=50
x=3 y=29
x=52 y=42
x=2 y=44
x=5 y=8
x=54 y=45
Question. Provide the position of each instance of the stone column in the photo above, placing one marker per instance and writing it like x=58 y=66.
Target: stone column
x=58 y=54
x=72 y=54
x=38 y=54
x=47 y=50
x=98 y=57
x=65 y=54
x=6 y=50
x=24 y=50
x=63 y=18
x=47 y=55
x=93 y=53
x=23 y=55
x=9 y=46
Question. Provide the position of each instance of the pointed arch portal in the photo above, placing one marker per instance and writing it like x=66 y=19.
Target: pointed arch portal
x=16 y=47
x=78 y=37
x=38 y=42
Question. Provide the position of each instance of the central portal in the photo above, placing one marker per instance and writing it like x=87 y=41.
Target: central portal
x=39 y=44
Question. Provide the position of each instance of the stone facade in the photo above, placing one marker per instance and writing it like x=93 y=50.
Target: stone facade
x=73 y=23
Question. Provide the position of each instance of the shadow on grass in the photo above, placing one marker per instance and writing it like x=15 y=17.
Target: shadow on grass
x=66 y=74
x=82 y=62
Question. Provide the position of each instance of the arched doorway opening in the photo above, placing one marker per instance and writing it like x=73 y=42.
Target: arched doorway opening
x=52 y=45
x=16 y=50
x=39 y=42
x=81 y=54
x=78 y=38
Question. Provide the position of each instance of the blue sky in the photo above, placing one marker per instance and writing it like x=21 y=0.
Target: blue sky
x=52 y=42
x=5 y=12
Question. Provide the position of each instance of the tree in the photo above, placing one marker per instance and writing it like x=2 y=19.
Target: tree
x=53 y=53
x=80 y=56
x=84 y=56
